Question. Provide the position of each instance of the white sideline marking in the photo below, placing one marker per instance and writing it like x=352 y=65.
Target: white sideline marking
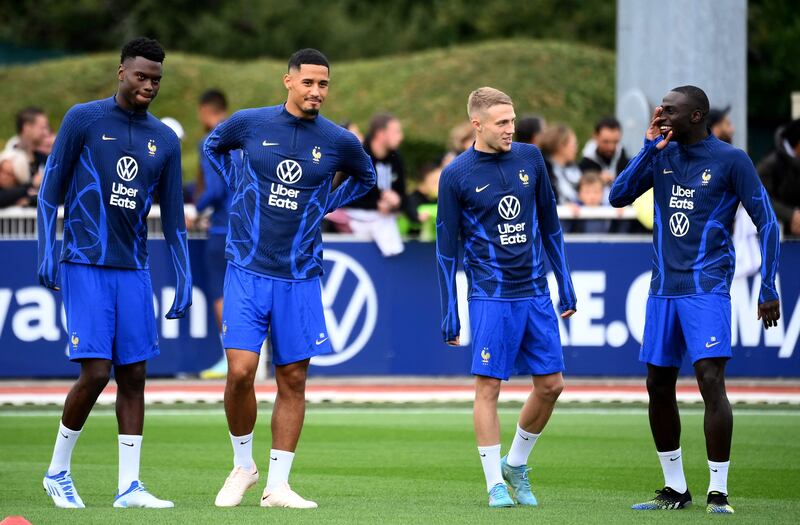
x=416 y=411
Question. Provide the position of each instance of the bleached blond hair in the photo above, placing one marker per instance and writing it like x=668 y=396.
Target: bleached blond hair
x=483 y=98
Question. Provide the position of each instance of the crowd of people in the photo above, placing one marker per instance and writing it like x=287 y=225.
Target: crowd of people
x=403 y=204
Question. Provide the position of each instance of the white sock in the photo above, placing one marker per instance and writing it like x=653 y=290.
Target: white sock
x=490 y=459
x=521 y=447
x=719 y=476
x=62 y=452
x=243 y=451
x=672 y=465
x=280 y=464
x=130 y=452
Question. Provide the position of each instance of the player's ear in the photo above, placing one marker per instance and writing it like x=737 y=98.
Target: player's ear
x=476 y=122
x=287 y=80
x=121 y=72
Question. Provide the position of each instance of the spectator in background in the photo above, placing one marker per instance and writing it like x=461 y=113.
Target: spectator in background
x=604 y=152
x=590 y=195
x=528 y=129
x=33 y=129
x=374 y=214
x=424 y=196
x=780 y=173
x=559 y=147
x=17 y=188
x=461 y=138
x=353 y=128
x=216 y=196
x=720 y=124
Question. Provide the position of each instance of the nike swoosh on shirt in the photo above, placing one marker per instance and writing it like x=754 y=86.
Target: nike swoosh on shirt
x=480 y=189
x=666 y=171
x=265 y=143
x=709 y=345
x=108 y=138
x=320 y=341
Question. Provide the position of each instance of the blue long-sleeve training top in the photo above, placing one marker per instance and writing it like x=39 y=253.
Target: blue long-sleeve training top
x=283 y=188
x=696 y=190
x=108 y=163
x=503 y=208
x=216 y=193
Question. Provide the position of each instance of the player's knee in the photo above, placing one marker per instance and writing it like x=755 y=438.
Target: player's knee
x=551 y=389
x=131 y=381
x=95 y=377
x=240 y=376
x=487 y=390
x=658 y=387
x=292 y=380
x=711 y=384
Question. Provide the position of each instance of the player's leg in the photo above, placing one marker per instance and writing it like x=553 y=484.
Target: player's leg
x=718 y=428
x=88 y=296
x=136 y=342
x=496 y=338
x=662 y=349
x=542 y=357
x=80 y=400
x=298 y=333
x=706 y=322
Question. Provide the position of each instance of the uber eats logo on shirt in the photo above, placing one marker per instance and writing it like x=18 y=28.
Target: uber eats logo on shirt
x=510 y=233
x=289 y=172
x=122 y=195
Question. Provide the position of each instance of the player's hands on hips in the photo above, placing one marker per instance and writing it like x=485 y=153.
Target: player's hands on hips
x=455 y=342
x=769 y=313
x=567 y=314
x=654 y=130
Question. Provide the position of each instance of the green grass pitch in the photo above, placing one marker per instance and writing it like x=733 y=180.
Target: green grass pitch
x=404 y=465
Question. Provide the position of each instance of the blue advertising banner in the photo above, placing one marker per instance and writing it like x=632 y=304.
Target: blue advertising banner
x=383 y=315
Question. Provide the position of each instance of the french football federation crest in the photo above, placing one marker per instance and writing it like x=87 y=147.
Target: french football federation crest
x=485 y=355
x=523 y=176
x=317 y=154
x=151 y=147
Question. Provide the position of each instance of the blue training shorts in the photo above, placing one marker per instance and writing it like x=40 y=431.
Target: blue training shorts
x=110 y=313
x=698 y=326
x=515 y=337
x=291 y=311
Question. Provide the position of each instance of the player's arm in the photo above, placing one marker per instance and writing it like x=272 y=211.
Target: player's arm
x=637 y=177
x=357 y=163
x=756 y=201
x=447 y=227
x=553 y=238
x=57 y=171
x=171 y=199
x=225 y=137
x=214 y=185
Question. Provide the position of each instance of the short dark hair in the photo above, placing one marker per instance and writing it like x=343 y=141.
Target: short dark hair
x=607 y=122
x=528 y=127
x=215 y=98
x=378 y=122
x=27 y=116
x=307 y=56
x=697 y=96
x=792 y=132
x=143 y=47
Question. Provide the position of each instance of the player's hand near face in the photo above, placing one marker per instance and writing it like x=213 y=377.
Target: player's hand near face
x=654 y=130
x=769 y=313
x=567 y=314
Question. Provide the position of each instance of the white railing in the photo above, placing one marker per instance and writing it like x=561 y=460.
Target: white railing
x=20 y=223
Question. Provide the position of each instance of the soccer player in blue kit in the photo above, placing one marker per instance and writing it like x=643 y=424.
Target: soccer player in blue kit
x=698 y=182
x=108 y=161
x=497 y=197
x=274 y=252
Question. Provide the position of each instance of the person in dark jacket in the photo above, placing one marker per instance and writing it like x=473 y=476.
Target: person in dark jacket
x=780 y=174
x=604 y=152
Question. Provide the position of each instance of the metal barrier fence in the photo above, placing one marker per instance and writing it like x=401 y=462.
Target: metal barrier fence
x=20 y=223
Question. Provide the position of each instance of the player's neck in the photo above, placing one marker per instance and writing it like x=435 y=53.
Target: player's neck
x=696 y=136
x=127 y=106
x=296 y=112
x=483 y=147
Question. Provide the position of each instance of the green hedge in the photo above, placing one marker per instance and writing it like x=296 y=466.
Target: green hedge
x=426 y=90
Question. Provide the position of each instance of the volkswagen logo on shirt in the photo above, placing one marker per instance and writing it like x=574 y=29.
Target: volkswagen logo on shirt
x=289 y=171
x=679 y=224
x=509 y=207
x=127 y=168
